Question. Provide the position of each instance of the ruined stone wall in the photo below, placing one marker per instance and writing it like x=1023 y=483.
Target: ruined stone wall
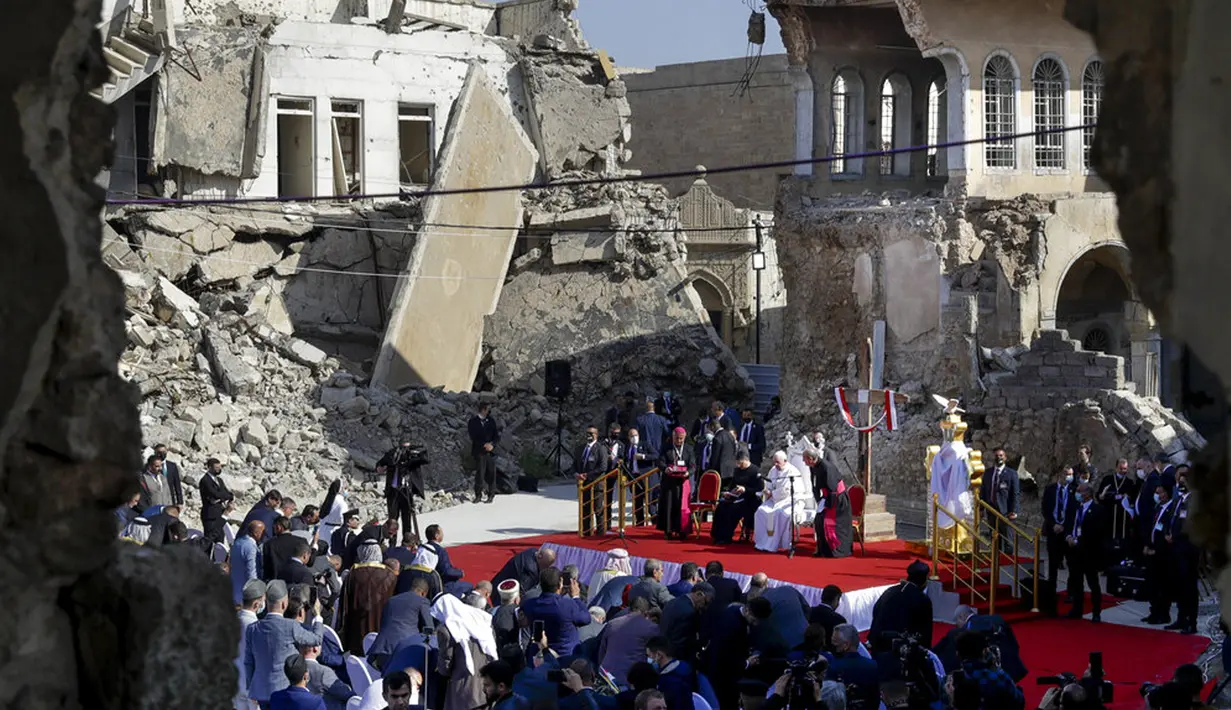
x=687 y=114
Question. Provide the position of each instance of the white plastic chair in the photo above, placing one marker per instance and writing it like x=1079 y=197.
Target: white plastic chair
x=331 y=633
x=357 y=669
x=368 y=641
x=192 y=532
x=354 y=702
x=698 y=703
x=220 y=552
x=229 y=531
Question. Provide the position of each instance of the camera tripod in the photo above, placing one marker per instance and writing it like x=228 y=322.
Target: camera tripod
x=557 y=452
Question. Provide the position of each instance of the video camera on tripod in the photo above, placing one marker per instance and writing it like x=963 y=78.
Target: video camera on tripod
x=919 y=685
x=1098 y=688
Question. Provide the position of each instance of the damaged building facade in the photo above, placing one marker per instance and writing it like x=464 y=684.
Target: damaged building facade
x=300 y=336
x=997 y=267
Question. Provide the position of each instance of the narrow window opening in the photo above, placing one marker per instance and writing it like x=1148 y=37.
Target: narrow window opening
x=296 y=149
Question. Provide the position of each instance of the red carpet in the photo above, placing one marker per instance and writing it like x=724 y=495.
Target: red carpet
x=1049 y=646
x=883 y=563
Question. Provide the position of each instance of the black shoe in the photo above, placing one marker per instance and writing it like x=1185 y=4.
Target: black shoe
x=1176 y=626
x=491 y=497
x=1158 y=620
x=1075 y=614
x=1096 y=618
x=1189 y=630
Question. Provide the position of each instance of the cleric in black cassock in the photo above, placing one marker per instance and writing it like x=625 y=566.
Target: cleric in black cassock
x=674 y=512
x=834 y=532
x=740 y=498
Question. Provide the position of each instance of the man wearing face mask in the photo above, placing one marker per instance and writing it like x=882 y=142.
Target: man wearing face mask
x=637 y=460
x=1116 y=493
x=1086 y=537
x=719 y=451
x=591 y=461
x=1001 y=489
x=1185 y=559
x=1058 y=510
x=752 y=435
x=1158 y=552
x=1143 y=507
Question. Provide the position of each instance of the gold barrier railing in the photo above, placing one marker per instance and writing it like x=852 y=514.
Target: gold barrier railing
x=593 y=498
x=966 y=567
x=640 y=494
x=643 y=494
x=986 y=515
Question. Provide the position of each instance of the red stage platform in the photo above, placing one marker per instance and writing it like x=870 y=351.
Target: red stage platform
x=1049 y=646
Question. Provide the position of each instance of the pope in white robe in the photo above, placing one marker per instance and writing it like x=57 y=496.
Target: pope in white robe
x=773 y=518
x=951 y=482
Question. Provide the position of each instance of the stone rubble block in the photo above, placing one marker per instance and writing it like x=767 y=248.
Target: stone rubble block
x=236 y=376
x=175 y=307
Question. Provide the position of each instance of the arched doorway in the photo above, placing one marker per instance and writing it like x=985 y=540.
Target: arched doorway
x=714 y=305
x=1095 y=301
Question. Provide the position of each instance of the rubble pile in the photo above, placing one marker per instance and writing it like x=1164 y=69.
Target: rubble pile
x=280 y=412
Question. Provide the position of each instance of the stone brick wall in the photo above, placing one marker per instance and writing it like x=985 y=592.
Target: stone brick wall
x=686 y=115
x=1054 y=364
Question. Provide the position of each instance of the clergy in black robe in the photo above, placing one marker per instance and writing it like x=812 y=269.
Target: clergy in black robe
x=1113 y=491
x=678 y=464
x=740 y=497
x=524 y=567
x=903 y=609
x=834 y=532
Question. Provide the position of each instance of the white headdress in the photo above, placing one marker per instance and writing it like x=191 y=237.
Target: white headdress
x=466 y=623
x=617 y=560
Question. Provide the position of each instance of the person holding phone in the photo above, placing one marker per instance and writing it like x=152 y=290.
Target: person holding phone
x=561 y=611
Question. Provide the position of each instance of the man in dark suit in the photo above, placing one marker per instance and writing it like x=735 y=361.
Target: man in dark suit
x=450 y=576
x=1058 y=509
x=525 y=568
x=1158 y=553
x=860 y=675
x=592 y=461
x=826 y=613
x=265 y=510
x=622 y=413
x=294 y=570
x=903 y=609
x=752 y=433
x=726 y=591
x=690 y=574
x=214 y=500
x=296 y=696
x=670 y=407
x=998 y=634
x=1087 y=541
x=278 y=550
x=172 y=471
x=654 y=429
x=160 y=525
x=1185 y=560
x=342 y=538
x=1001 y=489
x=484 y=435
x=404 y=616
x=681 y=622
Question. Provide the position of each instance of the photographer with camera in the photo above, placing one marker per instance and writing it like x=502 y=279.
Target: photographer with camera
x=911 y=676
x=402 y=466
x=802 y=687
x=1182 y=692
x=996 y=689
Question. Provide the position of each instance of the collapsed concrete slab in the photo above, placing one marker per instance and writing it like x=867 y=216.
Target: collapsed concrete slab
x=575 y=120
x=454 y=280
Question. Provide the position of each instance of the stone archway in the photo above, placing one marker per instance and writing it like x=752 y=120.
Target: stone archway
x=716 y=301
x=1095 y=302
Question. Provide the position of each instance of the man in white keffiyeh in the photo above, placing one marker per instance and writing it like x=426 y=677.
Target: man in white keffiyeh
x=467 y=643
x=617 y=566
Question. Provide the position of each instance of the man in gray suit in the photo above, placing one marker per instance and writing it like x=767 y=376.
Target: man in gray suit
x=323 y=682
x=651 y=585
x=253 y=596
x=269 y=641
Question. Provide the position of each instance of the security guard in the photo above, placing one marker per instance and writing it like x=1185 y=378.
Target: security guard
x=1185 y=560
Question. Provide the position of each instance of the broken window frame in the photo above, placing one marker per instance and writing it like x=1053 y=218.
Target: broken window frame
x=347 y=178
x=1000 y=86
x=427 y=117
x=1092 y=82
x=1049 y=85
x=295 y=106
x=846 y=118
x=936 y=99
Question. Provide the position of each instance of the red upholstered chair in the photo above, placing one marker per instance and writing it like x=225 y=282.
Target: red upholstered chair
x=707 y=498
x=858 y=497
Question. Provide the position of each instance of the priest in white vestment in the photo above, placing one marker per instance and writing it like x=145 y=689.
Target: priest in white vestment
x=773 y=519
x=951 y=482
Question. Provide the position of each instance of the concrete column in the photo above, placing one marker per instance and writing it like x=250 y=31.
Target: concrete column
x=959 y=122
x=805 y=117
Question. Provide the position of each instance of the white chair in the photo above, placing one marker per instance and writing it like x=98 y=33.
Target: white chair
x=331 y=633
x=368 y=641
x=374 y=674
x=194 y=533
x=220 y=553
x=229 y=531
x=698 y=703
x=354 y=702
x=357 y=669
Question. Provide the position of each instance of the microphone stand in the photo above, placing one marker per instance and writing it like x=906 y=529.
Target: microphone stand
x=621 y=476
x=791 y=551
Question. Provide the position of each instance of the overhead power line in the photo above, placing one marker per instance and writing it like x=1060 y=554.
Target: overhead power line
x=590 y=182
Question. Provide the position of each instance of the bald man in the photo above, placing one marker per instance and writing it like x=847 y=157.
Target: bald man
x=244 y=558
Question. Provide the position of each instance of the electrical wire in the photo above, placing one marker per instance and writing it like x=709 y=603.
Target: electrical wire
x=589 y=182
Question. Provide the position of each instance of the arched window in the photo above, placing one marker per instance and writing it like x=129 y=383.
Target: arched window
x=999 y=112
x=895 y=125
x=846 y=103
x=1049 y=89
x=1091 y=103
x=936 y=114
